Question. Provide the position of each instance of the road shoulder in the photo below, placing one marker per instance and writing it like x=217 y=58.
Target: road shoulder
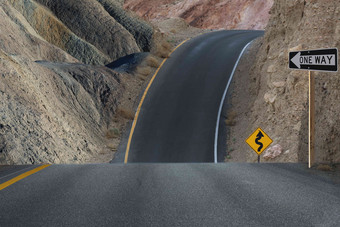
x=238 y=108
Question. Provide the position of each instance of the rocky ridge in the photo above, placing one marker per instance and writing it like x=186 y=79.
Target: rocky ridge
x=85 y=30
x=53 y=107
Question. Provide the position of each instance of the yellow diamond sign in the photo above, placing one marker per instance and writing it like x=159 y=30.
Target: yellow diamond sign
x=259 y=141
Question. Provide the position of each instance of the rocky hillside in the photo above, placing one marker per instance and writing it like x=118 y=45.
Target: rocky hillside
x=206 y=14
x=281 y=105
x=53 y=107
x=94 y=32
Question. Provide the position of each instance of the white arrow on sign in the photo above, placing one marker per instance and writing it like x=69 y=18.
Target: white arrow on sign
x=296 y=60
x=327 y=59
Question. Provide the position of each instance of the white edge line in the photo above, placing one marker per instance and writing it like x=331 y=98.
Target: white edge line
x=22 y=170
x=223 y=98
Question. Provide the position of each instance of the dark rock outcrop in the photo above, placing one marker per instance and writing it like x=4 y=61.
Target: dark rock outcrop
x=94 y=32
x=141 y=31
x=90 y=21
x=56 y=33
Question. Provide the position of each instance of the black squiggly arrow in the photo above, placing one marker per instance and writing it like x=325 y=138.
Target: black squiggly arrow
x=258 y=137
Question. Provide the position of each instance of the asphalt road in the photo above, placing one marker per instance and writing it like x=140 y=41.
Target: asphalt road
x=225 y=194
x=177 y=120
x=176 y=194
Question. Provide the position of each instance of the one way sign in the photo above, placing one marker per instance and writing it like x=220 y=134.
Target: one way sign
x=320 y=60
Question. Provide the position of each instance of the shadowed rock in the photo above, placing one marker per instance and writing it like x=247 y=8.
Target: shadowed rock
x=141 y=31
x=49 y=112
x=89 y=20
x=55 y=32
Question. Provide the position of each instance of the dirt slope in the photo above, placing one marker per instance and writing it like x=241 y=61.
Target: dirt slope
x=206 y=14
x=281 y=94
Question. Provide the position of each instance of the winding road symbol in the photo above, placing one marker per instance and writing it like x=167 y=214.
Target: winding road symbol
x=259 y=141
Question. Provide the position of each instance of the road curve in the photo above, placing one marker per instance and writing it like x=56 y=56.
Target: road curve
x=177 y=120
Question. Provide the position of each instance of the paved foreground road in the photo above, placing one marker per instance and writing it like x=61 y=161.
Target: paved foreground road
x=173 y=195
x=177 y=120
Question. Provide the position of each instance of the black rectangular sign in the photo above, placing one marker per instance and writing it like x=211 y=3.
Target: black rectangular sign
x=319 y=60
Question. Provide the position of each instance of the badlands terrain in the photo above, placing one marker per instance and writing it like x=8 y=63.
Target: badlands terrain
x=206 y=14
x=58 y=100
x=59 y=103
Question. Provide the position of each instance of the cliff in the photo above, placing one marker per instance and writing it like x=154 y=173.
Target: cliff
x=281 y=94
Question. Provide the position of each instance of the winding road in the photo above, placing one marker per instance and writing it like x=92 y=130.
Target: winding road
x=177 y=120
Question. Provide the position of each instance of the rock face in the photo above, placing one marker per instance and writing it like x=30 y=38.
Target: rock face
x=85 y=29
x=282 y=98
x=206 y=14
x=141 y=31
x=54 y=108
x=59 y=112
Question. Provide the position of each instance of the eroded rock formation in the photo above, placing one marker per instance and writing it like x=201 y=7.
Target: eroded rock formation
x=206 y=14
x=53 y=107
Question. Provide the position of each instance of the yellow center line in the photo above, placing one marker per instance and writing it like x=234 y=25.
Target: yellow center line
x=141 y=103
x=22 y=176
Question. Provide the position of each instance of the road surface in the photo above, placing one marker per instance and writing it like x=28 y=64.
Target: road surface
x=224 y=194
x=178 y=117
